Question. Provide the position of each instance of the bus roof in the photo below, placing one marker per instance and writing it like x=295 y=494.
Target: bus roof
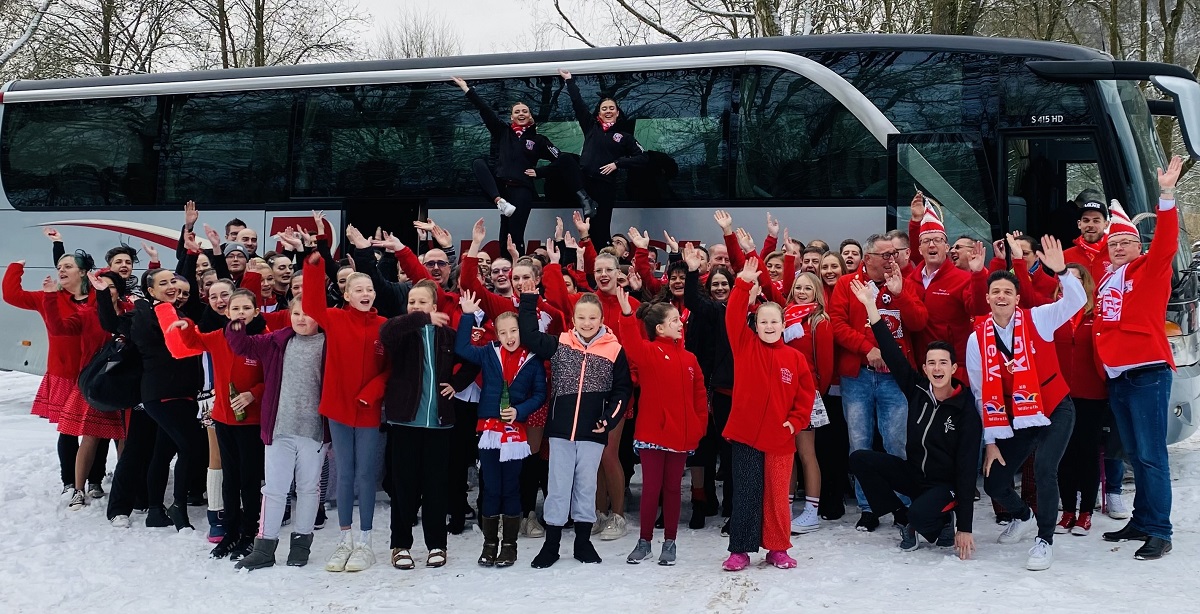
x=825 y=42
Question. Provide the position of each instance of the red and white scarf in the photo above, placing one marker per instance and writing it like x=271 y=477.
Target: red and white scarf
x=518 y=129
x=1093 y=250
x=794 y=319
x=511 y=363
x=605 y=126
x=1110 y=298
x=1022 y=403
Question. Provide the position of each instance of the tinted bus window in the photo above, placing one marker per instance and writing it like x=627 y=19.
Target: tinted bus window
x=228 y=149
x=81 y=154
x=1028 y=100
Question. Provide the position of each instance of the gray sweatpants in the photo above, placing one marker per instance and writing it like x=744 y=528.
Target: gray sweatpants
x=291 y=456
x=572 y=489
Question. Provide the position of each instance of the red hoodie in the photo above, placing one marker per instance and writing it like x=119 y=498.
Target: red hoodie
x=954 y=298
x=357 y=369
x=245 y=374
x=674 y=401
x=772 y=384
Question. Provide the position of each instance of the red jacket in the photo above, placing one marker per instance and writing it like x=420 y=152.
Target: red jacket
x=1098 y=266
x=245 y=374
x=1036 y=287
x=83 y=325
x=63 y=355
x=1129 y=325
x=356 y=371
x=447 y=302
x=1077 y=358
x=954 y=298
x=493 y=304
x=771 y=385
x=904 y=313
x=817 y=348
x=674 y=403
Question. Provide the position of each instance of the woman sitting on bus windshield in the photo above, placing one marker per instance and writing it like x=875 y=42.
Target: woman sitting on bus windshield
x=606 y=148
x=519 y=147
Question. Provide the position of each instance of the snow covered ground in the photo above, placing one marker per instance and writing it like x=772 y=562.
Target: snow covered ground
x=55 y=560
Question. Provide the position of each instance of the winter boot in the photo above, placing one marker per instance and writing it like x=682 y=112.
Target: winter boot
x=216 y=526
x=242 y=548
x=263 y=555
x=585 y=552
x=508 y=544
x=225 y=546
x=549 y=554
x=157 y=517
x=179 y=517
x=301 y=547
x=491 y=540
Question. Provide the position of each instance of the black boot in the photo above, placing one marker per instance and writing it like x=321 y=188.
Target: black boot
x=1127 y=532
x=585 y=552
x=157 y=517
x=697 y=521
x=589 y=206
x=179 y=517
x=301 y=546
x=225 y=546
x=1154 y=549
x=491 y=540
x=508 y=544
x=242 y=549
x=549 y=554
x=263 y=555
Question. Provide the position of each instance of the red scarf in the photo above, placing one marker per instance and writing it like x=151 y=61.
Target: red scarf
x=794 y=319
x=605 y=125
x=510 y=363
x=518 y=129
x=1010 y=385
x=1093 y=250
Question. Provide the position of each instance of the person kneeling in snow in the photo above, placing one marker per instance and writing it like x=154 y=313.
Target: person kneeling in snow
x=944 y=432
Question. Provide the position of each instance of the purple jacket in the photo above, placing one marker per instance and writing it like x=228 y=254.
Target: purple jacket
x=268 y=350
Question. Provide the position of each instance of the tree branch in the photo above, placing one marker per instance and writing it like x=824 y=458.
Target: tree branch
x=649 y=22
x=27 y=34
x=716 y=13
x=575 y=33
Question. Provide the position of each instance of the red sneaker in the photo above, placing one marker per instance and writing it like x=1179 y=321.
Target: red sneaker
x=1068 y=521
x=1082 y=525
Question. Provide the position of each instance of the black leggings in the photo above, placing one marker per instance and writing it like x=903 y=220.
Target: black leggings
x=179 y=432
x=721 y=405
x=242 y=465
x=1079 y=469
x=604 y=192
x=128 y=491
x=68 y=449
x=518 y=195
x=883 y=475
x=833 y=449
x=463 y=448
x=535 y=476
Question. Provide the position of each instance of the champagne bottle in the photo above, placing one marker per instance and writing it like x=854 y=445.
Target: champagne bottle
x=238 y=414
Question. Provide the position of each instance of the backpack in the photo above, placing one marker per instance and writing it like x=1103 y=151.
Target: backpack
x=111 y=380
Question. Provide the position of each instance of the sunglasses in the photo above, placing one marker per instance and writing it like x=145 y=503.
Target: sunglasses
x=436 y=264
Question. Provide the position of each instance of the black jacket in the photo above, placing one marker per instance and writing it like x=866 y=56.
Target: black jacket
x=943 y=438
x=391 y=296
x=706 y=336
x=401 y=337
x=591 y=383
x=163 y=376
x=601 y=147
x=514 y=155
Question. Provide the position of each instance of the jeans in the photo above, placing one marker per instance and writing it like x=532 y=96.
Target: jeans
x=1140 y=401
x=873 y=400
x=356 y=452
x=1050 y=442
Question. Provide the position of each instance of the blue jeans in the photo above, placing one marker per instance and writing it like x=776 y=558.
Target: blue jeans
x=1140 y=401
x=356 y=452
x=873 y=400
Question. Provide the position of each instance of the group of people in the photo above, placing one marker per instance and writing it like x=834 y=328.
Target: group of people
x=906 y=362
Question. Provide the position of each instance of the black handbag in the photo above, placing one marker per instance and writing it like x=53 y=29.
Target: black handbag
x=111 y=380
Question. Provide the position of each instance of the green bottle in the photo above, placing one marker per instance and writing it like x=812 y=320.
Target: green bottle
x=238 y=414
x=504 y=402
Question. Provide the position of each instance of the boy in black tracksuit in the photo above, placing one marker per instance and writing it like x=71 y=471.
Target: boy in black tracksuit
x=942 y=449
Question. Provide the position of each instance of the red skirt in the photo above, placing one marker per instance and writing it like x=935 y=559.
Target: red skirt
x=80 y=419
x=51 y=396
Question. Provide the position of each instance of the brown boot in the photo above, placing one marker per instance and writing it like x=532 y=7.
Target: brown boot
x=508 y=544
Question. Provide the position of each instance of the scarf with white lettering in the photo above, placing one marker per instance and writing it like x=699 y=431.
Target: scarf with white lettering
x=1015 y=368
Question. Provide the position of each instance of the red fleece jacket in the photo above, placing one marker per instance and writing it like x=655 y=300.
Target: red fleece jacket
x=674 y=403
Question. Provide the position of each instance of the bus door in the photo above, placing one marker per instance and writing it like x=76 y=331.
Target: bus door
x=1044 y=175
x=950 y=169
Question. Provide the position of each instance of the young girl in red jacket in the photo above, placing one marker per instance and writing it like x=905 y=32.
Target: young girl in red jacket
x=674 y=415
x=807 y=329
x=773 y=394
x=238 y=387
x=351 y=398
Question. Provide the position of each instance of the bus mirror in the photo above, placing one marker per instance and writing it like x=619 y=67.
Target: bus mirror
x=1187 y=108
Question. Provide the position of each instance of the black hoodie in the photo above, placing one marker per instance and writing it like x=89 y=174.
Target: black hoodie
x=943 y=438
x=600 y=146
x=515 y=154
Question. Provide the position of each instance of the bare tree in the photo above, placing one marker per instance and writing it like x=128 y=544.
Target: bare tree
x=416 y=33
x=275 y=32
x=31 y=27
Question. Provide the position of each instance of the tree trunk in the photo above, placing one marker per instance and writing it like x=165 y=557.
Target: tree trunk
x=260 y=33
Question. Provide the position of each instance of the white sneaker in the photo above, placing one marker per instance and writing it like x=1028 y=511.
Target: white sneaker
x=614 y=529
x=600 y=524
x=533 y=528
x=506 y=208
x=337 y=560
x=120 y=521
x=807 y=521
x=362 y=557
x=1018 y=530
x=1041 y=556
x=1115 y=505
x=78 y=501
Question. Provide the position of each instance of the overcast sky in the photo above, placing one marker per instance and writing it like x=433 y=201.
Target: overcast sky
x=486 y=26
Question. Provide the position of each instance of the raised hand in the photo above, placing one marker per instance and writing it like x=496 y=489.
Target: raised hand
x=191 y=215
x=789 y=247
x=440 y=318
x=975 y=261
x=1051 y=254
x=724 y=220
x=389 y=242
x=558 y=229
x=582 y=224
x=772 y=225
x=552 y=252
x=622 y=300
x=213 y=237
x=150 y=251
x=1169 y=178
x=49 y=286
x=513 y=254
x=568 y=240
x=863 y=292
x=998 y=247
x=692 y=258
x=442 y=236
x=745 y=241
x=916 y=208
x=99 y=283
x=894 y=280
x=52 y=234
x=749 y=270
x=1014 y=246
x=478 y=234
x=635 y=281
x=467 y=301
x=462 y=85
x=565 y=74
x=639 y=240
x=307 y=237
x=356 y=238
x=672 y=244
x=319 y=220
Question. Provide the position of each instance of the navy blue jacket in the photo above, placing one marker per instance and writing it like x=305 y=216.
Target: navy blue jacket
x=528 y=390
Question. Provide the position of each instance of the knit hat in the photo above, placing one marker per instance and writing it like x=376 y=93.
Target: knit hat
x=236 y=247
x=1119 y=223
x=1094 y=205
x=931 y=222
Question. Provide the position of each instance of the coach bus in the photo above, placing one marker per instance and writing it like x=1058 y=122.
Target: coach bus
x=829 y=133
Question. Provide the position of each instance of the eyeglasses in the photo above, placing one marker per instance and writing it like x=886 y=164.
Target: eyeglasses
x=500 y=270
x=956 y=246
x=1123 y=244
x=885 y=255
x=935 y=241
x=436 y=264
